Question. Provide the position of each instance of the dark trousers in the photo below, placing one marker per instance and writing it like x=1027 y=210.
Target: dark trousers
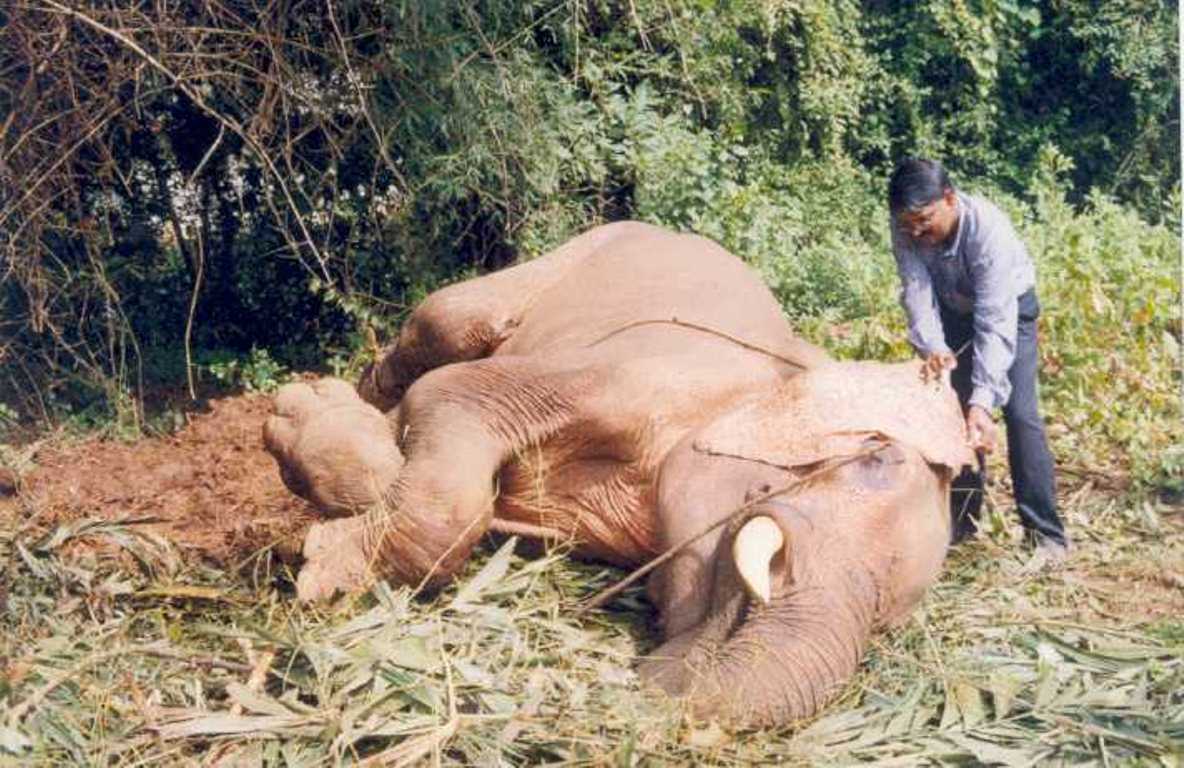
x=1027 y=446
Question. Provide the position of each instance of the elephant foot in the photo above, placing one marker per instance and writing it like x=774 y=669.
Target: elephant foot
x=335 y=560
x=332 y=448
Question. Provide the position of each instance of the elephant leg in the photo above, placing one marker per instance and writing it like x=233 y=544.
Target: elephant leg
x=460 y=423
x=468 y=321
x=334 y=450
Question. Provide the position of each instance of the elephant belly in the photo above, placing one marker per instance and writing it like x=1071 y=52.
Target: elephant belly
x=606 y=506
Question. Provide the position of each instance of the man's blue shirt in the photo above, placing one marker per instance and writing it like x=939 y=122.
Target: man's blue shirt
x=982 y=272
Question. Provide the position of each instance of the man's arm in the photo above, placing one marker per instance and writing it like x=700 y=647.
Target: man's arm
x=996 y=314
x=919 y=301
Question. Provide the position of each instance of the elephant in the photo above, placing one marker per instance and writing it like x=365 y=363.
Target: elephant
x=625 y=392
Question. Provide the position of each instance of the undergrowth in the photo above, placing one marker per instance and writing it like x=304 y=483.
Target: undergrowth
x=117 y=654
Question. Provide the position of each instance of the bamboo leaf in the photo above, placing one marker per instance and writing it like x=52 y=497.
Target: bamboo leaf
x=970 y=703
x=489 y=575
x=990 y=753
x=255 y=701
x=413 y=653
x=216 y=724
x=1004 y=688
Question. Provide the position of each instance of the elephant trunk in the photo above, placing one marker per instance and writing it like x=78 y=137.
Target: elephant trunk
x=768 y=665
x=789 y=659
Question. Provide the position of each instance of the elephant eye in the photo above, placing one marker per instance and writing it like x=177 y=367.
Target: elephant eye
x=878 y=469
x=888 y=454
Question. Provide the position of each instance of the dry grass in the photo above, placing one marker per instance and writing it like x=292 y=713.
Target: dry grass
x=114 y=653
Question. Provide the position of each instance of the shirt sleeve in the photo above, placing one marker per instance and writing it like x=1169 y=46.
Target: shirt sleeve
x=918 y=299
x=996 y=315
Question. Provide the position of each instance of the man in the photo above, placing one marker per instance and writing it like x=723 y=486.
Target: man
x=968 y=287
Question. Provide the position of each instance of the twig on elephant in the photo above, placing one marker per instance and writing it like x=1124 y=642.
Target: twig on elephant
x=516 y=528
x=830 y=465
x=703 y=329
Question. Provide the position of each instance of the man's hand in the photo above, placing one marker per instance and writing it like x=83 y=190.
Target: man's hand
x=937 y=364
x=981 y=429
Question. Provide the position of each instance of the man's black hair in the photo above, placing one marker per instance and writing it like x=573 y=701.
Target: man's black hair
x=915 y=183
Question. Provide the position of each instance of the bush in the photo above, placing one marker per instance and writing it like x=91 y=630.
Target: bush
x=337 y=166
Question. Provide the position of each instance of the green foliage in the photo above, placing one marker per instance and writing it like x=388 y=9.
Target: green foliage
x=1169 y=631
x=1112 y=330
x=256 y=372
x=986 y=84
x=399 y=146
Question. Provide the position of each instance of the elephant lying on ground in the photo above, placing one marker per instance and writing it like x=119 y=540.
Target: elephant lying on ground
x=626 y=390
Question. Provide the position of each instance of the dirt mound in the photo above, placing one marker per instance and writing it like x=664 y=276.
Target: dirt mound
x=214 y=489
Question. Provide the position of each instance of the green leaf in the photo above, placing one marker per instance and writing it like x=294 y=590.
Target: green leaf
x=255 y=701
x=490 y=574
x=1003 y=687
x=990 y=753
x=413 y=653
x=970 y=703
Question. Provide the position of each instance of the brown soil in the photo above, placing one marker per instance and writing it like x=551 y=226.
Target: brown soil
x=214 y=491
x=1130 y=596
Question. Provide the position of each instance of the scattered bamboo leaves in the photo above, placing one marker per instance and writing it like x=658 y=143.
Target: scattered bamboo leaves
x=496 y=671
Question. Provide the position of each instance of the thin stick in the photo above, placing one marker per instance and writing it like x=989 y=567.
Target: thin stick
x=209 y=153
x=427 y=577
x=703 y=329
x=201 y=262
x=260 y=666
x=516 y=528
x=197 y=661
x=602 y=597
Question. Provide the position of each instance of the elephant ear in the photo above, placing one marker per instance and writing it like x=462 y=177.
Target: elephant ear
x=828 y=410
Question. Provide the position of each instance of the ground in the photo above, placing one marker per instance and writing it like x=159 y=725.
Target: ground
x=213 y=489
x=109 y=657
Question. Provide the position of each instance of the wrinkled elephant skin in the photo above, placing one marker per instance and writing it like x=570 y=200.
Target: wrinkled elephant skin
x=627 y=390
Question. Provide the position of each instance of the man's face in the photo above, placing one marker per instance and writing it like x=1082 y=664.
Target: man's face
x=931 y=224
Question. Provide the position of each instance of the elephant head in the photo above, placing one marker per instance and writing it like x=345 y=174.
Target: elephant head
x=766 y=618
